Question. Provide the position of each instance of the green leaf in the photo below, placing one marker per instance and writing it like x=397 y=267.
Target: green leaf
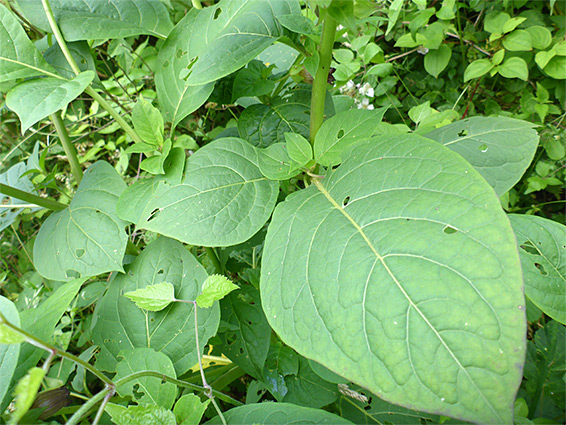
x=437 y=60
x=393 y=14
x=499 y=148
x=541 y=37
x=495 y=21
x=153 y=297
x=512 y=23
x=140 y=415
x=377 y=279
x=148 y=122
x=514 y=68
x=176 y=99
x=298 y=148
x=118 y=324
x=87 y=238
x=275 y=164
x=236 y=32
x=19 y=58
x=215 y=288
x=326 y=374
x=518 y=41
x=251 y=81
x=342 y=131
x=80 y=51
x=306 y=388
x=556 y=68
x=26 y=389
x=9 y=353
x=189 y=409
x=343 y=11
x=542 y=58
x=147 y=390
x=223 y=199
x=278 y=414
x=247 y=341
x=477 y=68
x=101 y=19
x=446 y=12
x=36 y=99
x=542 y=247
x=297 y=23
x=554 y=149
x=14 y=177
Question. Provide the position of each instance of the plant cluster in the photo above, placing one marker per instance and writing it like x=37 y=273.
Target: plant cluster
x=282 y=211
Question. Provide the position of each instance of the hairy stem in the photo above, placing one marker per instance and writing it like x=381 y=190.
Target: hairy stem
x=31 y=198
x=321 y=76
x=68 y=146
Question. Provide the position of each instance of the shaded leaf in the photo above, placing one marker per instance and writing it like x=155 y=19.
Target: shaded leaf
x=8 y=353
x=189 y=409
x=308 y=389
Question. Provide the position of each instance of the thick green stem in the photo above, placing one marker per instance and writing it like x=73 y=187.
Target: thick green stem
x=84 y=409
x=321 y=77
x=215 y=261
x=31 y=198
x=68 y=146
x=89 y=90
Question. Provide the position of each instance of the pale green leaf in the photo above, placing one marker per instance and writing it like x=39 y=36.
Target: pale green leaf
x=518 y=41
x=393 y=14
x=140 y=415
x=214 y=288
x=495 y=21
x=8 y=353
x=514 y=68
x=223 y=199
x=87 y=238
x=26 y=390
x=499 y=148
x=275 y=164
x=118 y=324
x=14 y=177
x=477 y=68
x=101 y=19
x=19 y=58
x=189 y=409
x=153 y=297
x=36 y=99
x=542 y=247
x=340 y=132
x=278 y=414
x=542 y=58
x=556 y=67
x=541 y=36
x=437 y=60
x=146 y=390
x=377 y=279
x=298 y=148
x=512 y=23
x=148 y=122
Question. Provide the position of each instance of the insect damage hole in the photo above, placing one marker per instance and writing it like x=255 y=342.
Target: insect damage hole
x=217 y=13
x=449 y=230
x=346 y=201
x=541 y=269
x=79 y=252
x=463 y=133
x=153 y=215
x=340 y=134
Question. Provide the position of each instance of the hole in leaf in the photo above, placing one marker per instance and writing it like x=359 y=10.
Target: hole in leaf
x=180 y=53
x=541 y=269
x=334 y=167
x=152 y=320
x=217 y=13
x=241 y=351
x=79 y=253
x=482 y=148
x=165 y=64
x=463 y=133
x=97 y=211
x=449 y=230
x=260 y=392
x=136 y=391
x=249 y=322
x=161 y=271
x=230 y=338
x=340 y=134
x=73 y=274
x=368 y=405
x=154 y=214
x=528 y=247
x=346 y=201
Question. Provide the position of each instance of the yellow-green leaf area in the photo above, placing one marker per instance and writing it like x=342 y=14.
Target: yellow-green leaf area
x=214 y=288
x=153 y=297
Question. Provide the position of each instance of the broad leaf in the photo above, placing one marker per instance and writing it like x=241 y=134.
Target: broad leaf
x=246 y=342
x=477 y=68
x=153 y=297
x=308 y=389
x=101 y=19
x=275 y=164
x=36 y=99
x=140 y=415
x=542 y=247
x=343 y=130
x=87 y=238
x=189 y=409
x=298 y=148
x=499 y=148
x=26 y=389
x=236 y=32
x=118 y=324
x=278 y=414
x=223 y=199
x=19 y=58
x=437 y=60
x=377 y=279
x=80 y=51
x=514 y=68
x=214 y=288
x=148 y=390
x=148 y=122
x=8 y=353
x=14 y=177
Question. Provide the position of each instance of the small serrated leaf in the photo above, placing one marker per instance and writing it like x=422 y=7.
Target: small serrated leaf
x=153 y=297
x=215 y=288
x=26 y=389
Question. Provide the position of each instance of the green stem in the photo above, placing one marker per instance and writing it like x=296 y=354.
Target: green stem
x=87 y=406
x=89 y=90
x=183 y=384
x=214 y=258
x=68 y=146
x=31 y=198
x=321 y=77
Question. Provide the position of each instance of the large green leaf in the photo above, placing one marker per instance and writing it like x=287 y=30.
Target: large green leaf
x=118 y=324
x=19 y=58
x=308 y=389
x=87 y=238
x=8 y=352
x=101 y=19
x=14 y=177
x=374 y=273
x=500 y=148
x=223 y=200
x=542 y=247
x=233 y=32
x=36 y=99
x=278 y=414
x=148 y=390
